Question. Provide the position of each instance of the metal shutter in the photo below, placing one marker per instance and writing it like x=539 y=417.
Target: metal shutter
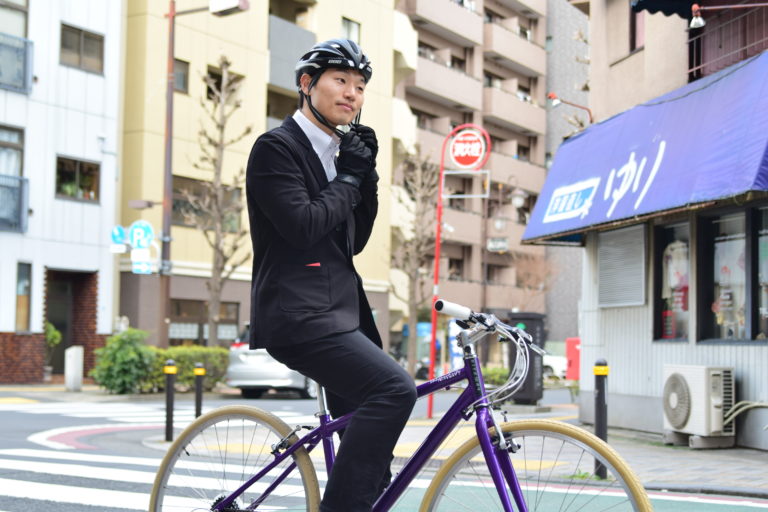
x=621 y=267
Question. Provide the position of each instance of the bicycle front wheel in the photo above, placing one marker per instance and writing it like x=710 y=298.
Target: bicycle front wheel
x=220 y=451
x=555 y=466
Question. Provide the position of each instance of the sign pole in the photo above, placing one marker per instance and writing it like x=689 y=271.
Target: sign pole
x=480 y=161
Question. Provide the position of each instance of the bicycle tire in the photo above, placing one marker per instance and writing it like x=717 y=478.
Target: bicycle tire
x=219 y=451
x=555 y=468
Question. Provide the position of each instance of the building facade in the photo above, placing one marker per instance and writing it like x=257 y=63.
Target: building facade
x=484 y=62
x=60 y=109
x=667 y=195
x=263 y=44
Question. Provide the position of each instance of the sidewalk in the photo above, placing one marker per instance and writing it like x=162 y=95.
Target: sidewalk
x=731 y=471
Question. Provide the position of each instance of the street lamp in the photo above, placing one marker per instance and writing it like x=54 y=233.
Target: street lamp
x=218 y=8
x=697 y=21
x=555 y=101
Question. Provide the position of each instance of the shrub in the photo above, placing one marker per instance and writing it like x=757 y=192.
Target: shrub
x=125 y=364
x=214 y=359
x=495 y=376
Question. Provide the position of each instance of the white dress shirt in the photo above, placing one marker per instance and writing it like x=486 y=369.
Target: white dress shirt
x=326 y=146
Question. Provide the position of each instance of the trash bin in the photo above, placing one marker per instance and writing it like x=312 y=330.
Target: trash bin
x=533 y=386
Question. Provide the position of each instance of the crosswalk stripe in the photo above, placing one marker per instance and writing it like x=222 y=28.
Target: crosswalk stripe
x=75 y=495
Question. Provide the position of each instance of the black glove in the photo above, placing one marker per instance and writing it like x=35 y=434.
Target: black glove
x=354 y=162
x=368 y=136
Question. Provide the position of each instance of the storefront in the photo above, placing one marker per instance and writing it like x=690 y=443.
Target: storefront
x=670 y=201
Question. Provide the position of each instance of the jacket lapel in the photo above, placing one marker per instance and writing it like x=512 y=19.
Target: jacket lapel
x=309 y=154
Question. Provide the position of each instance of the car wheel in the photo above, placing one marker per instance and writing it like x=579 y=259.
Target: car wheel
x=310 y=389
x=251 y=392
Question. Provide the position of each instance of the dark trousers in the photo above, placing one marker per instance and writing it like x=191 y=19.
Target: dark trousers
x=357 y=376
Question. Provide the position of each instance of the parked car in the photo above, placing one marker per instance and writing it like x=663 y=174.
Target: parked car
x=255 y=371
x=554 y=366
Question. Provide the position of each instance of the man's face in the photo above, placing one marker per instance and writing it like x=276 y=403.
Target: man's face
x=338 y=95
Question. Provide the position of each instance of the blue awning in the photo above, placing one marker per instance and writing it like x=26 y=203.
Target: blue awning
x=703 y=142
x=680 y=7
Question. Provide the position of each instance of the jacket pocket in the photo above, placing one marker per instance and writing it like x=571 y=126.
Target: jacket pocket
x=304 y=288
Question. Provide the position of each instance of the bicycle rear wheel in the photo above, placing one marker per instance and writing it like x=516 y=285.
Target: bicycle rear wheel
x=222 y=449
x=555 y=467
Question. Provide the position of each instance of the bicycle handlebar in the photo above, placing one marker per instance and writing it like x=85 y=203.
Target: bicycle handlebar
x=489 y=321
x=454 y=310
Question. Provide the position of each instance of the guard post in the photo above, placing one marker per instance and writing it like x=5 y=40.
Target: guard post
x=601 y=409
x=199 y=376
x=170 y=380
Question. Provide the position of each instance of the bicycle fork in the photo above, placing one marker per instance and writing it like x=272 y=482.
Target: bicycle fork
x=496 y=454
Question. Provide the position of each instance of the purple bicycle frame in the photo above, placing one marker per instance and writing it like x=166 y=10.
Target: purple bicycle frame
x=500 y=468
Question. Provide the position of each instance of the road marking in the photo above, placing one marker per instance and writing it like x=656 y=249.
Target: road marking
x=16 y=400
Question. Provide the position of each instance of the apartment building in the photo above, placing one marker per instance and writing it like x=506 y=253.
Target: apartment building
x=484 y=62
x=60 y=87
x=263 y=44
x=668 y=195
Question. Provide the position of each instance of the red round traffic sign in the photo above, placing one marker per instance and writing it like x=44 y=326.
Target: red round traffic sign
x=467 y=149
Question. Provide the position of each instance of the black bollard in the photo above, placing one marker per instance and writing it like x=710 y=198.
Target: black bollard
x=601 y=409
x=199 y=376
x=170 y=379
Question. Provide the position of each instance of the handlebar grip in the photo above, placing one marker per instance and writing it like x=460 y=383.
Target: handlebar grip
x=454 y=310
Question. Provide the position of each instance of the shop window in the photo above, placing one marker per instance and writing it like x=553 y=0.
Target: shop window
x=724 y=278
x=189 y=322
x=180 y=76
x=762 y=279
x=76 y=179
x=672 y=258
x=82 y=49
x=23 y=294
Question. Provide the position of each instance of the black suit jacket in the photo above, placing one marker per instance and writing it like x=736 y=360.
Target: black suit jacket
x=304 y=231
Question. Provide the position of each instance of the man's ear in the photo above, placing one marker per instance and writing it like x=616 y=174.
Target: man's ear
x=304 y=82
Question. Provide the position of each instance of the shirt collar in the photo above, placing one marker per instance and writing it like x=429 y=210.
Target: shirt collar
x=320 y=140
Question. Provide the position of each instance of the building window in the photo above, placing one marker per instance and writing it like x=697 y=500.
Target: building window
x=180 y=76
x=11 y=151
x=13 y=17
x=455 y=269
x=458 y=64
x=427 y=51
x=350 y=30
x=215 y=75
x=76 y=179
x=491 y=80
x=187 y=214
x=636 y=30
x=81 y=49
x=189 y=322
x=23 y=294
x=672 y=258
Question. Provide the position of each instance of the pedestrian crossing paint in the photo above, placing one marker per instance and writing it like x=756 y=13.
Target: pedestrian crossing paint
x=122 y=412
x=95 y=476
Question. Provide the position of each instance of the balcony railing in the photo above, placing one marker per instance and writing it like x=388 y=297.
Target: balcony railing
x=14 y=192
x=727 y=39
x=15 y=63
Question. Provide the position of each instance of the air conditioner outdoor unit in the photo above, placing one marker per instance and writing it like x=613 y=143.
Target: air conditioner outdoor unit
x=696 y=399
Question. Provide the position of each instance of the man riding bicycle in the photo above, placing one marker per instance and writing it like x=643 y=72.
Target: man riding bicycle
x=310 y=212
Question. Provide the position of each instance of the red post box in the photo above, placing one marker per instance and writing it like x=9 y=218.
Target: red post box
x=573 y=354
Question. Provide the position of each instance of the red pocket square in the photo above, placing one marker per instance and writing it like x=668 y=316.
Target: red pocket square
x=312 y=264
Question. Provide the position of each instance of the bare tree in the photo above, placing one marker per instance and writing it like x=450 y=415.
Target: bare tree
x=413 y=247
x=215 y=208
